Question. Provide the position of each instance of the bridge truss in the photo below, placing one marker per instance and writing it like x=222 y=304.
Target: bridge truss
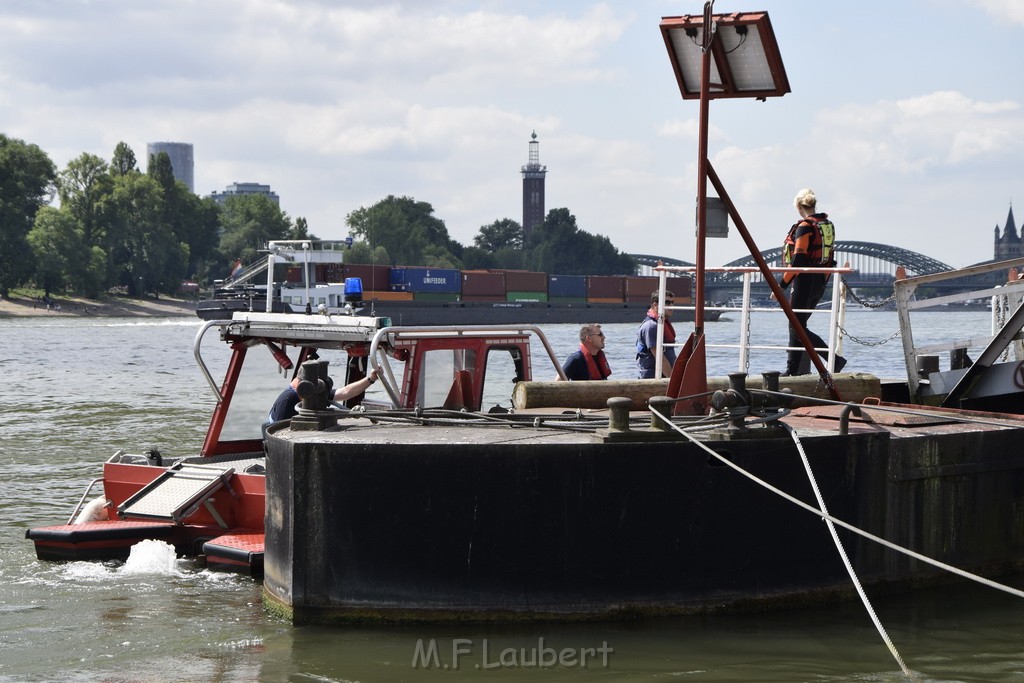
x=875 y=263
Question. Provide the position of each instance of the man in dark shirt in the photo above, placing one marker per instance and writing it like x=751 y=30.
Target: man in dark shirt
x=647 y=340
x=285 y=406
x=589 y=361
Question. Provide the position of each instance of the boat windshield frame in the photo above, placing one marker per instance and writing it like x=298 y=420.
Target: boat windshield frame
x=393 y=333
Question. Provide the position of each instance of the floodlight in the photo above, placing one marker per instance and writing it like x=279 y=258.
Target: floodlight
x=745 y=56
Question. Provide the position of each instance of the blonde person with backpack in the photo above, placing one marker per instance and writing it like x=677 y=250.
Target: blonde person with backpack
x=809 y=244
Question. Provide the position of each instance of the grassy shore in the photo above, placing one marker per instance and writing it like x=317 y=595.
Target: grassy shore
x=21 y=305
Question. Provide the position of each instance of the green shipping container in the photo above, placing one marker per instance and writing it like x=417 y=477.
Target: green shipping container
x=527 y=296
x=435 y=296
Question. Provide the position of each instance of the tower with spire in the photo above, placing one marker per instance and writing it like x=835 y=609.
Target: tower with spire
x=1007 y=245
x=533 y=189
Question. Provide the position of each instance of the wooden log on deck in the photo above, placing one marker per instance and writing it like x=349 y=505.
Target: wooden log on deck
x=853 y=387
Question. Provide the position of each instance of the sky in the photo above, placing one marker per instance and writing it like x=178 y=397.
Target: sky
x=904 y=117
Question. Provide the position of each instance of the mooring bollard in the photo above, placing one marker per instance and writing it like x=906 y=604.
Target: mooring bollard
x=618 y=413
x=662 y=404
x=314 y=389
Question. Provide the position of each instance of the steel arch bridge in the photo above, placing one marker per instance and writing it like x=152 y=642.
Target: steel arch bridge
x=875 y=263
x=650 y=261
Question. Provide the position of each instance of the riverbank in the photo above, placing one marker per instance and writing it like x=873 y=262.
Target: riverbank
x=113 y=307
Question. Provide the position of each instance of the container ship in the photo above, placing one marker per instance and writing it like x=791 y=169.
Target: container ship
x=312 y=278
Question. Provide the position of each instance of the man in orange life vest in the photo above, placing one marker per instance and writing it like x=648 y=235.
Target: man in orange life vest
x=589 y=362
x=809 y=244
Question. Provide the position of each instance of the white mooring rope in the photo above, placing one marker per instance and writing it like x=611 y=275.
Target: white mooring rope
x=842 y=553
x=849 y=527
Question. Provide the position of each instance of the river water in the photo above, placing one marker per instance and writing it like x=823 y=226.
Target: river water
x=78 y=389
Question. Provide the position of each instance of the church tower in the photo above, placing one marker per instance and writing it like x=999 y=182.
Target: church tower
x=1008 y=245
x=533 y=189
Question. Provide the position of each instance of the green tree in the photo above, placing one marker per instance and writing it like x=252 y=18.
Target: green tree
x=94 y=274
x=123 y=161
x=361 y=252
x=192 y=220
x=475 y=258
x=160 y=170
x=26 y=184
x=56 y=241
x=84 y=187
x=512 y=259
x=559 y=246
x=248 y=222
x=405 y=228
x=436 y=256
x=198 y=226
x=300 y=230
x=145 y=255
x=501 y=234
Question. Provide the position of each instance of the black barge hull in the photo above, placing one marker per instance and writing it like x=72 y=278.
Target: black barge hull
x=397 y=523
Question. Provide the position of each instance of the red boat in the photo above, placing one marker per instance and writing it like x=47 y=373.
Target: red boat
x=213 y=504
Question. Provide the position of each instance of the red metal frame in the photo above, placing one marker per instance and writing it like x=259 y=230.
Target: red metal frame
x=211 y=446
x=689 y=373
x=472 y=391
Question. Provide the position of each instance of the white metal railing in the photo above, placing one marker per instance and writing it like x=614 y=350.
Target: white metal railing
x=313 y=246
x=909 y=298
x=837 y=316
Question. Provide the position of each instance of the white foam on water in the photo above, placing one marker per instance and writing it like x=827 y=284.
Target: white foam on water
x=151 y=557
x=147 y=558
x=181 y=321
x=83 y=571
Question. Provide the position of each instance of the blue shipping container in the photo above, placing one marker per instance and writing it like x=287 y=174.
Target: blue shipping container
x=417 y=279
x=567 y=285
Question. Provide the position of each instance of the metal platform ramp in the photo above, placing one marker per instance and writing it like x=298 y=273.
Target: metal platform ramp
x=177 y=494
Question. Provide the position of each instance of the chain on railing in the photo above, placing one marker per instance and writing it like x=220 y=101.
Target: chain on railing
x=867 y=304
x=746 y=343
x=999 y=304
x=865 y=342
x=1001 y=307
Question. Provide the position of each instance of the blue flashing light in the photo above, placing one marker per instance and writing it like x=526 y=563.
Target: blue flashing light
x=353 y=289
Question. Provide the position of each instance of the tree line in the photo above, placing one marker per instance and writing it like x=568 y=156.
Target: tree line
x=97 y=226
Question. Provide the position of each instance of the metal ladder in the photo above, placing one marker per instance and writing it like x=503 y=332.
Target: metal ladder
x=177 y=493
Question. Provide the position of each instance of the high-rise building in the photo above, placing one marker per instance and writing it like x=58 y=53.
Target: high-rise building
x=533 y=189
x=238 y=189
x=182 y=161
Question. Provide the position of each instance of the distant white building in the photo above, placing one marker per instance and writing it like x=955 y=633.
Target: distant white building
x=238 y=189
x=182 y=161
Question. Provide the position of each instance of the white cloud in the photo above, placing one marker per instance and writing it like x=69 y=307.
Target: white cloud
x=1010 y=10
x=336 y=104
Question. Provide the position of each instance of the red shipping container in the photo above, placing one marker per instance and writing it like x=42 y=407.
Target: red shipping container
x=386 y=295
x=483 y=283
x=375 y=278
x=329 y=272
x=526 y=281
x=680 y=286
x=639 y=288
x=604 y=287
